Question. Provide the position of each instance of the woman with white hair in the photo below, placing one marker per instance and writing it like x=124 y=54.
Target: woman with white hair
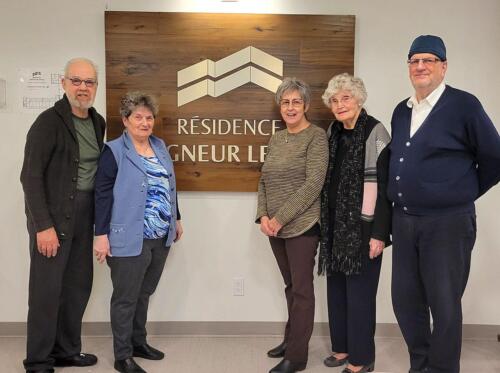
x=355 y=223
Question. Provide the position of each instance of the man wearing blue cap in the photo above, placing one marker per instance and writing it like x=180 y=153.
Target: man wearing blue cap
x=445 y=153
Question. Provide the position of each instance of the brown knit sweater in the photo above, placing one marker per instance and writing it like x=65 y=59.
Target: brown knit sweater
x=292 y=177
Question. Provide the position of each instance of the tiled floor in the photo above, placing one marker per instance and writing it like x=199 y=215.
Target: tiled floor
x=246 y=354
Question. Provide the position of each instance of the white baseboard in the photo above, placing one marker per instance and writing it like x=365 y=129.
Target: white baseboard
x=384 y=330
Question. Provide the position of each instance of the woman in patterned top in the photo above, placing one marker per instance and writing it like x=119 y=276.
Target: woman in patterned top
x=288 y=212
x=355 y=223
x=137 y=220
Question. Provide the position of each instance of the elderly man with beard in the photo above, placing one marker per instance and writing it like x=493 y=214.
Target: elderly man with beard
x=60 y=161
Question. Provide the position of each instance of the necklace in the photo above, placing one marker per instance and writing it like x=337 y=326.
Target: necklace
x=145 y=151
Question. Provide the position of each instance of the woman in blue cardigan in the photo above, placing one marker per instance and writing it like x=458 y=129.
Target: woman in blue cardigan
x=136 y=222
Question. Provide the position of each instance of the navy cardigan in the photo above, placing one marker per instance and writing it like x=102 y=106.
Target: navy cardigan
x=452 y=159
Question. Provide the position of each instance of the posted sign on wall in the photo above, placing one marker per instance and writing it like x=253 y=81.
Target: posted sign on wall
x=215 y=76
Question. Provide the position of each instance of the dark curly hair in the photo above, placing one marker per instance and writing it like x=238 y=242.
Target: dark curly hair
x=133 y=100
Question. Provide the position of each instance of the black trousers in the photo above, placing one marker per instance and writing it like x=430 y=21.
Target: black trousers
x=59 y=289
x=134 y=280
x=295 y=257
x=352 y=308
x=430 y=269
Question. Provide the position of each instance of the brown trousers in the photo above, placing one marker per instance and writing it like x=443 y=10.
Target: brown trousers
x=295 y=257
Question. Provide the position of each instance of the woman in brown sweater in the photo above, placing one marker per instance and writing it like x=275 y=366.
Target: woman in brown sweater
x=288 y=212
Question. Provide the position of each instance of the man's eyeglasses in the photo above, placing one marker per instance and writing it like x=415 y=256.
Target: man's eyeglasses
x=89 y=83
x=429 y=61
x=296 y=103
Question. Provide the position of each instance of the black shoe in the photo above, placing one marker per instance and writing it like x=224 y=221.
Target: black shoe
x=331 y=361
x=286 y=366
x=128 y=366
x=147 y=352
x=366 y=368
x=78 y=360
x=40 y=370
x=278 y=351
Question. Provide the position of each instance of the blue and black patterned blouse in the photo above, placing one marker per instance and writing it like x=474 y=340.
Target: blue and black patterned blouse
x=158 y=211
x=155 y=223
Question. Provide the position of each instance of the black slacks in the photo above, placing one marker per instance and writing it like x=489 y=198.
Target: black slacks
x=59 y=289
x=295 y=257
x=134 y=280
x=352 y=312
x=430 y=269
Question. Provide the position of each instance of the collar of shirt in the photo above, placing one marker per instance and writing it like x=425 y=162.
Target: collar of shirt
x=430 y=100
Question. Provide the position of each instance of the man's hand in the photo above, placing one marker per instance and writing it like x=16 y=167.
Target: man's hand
x=47 y=242
x=101 y=248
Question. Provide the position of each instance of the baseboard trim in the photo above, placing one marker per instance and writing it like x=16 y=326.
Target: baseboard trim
x=225 y=328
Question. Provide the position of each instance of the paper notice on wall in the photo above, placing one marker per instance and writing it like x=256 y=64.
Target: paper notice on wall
x=39 y=88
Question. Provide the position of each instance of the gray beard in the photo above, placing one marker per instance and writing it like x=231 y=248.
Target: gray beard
x=79 y=105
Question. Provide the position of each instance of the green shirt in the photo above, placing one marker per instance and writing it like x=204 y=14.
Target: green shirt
x=89 y=153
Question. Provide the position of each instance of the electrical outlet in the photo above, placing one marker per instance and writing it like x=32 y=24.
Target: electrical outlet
x=238 y=286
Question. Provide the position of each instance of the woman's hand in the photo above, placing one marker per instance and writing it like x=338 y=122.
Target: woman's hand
x=101 y=247
x=264 y=226
x=376 y=247
x=275 y=226
x=178 y=230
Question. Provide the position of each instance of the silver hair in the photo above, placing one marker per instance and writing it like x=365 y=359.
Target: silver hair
x=132 y=100
x=294 y=84
x=345 y=82
x=80 y=59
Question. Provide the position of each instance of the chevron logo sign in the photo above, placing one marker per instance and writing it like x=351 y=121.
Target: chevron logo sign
x=227 y=74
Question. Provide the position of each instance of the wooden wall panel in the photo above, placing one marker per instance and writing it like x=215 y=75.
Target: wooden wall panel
x=144 y=51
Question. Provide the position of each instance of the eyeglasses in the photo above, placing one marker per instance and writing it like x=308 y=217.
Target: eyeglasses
x=344 y=100
x=139 y=118
x=89 y=83
x=296 y=103
x=429 y=61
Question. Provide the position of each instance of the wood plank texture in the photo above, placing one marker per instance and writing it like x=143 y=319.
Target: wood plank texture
x=144 y=51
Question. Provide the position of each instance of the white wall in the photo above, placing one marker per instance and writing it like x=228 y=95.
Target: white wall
x=221 y=241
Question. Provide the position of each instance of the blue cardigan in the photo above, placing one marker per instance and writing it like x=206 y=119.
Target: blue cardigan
x=121 y=214
x=452 y=159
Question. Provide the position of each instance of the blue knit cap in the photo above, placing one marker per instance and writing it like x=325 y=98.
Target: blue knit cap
x=428 y=44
